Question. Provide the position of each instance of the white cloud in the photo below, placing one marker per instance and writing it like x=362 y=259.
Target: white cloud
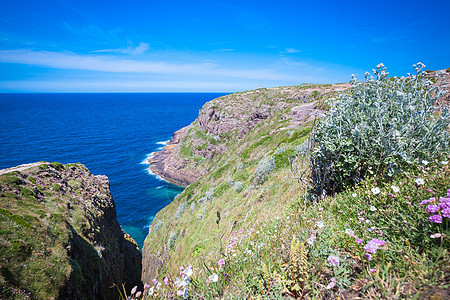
x=224 y=50
x=292 y=50
x=112 y=73
x=69 y=60
x=130 y=49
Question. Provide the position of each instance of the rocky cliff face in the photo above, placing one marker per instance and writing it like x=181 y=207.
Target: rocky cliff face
x=60 y=237
x=226 y=120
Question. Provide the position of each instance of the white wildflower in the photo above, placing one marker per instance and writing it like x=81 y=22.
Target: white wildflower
x=350 y=232
x=188 y=272
x=354 y=195
x=372 y=208
x=320 y=224
x=395 y=188
x=214 y=277
x=425 y=162
x=311 y=239
x=419 y=181
x=376 y=190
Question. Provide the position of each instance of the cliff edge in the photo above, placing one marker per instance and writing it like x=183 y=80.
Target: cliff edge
x=60 y=238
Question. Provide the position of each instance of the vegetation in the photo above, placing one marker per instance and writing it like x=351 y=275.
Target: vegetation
x=378 y=127
x=47 y=233
x=376 y=237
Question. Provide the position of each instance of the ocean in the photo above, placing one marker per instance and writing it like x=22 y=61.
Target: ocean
x=112 y=134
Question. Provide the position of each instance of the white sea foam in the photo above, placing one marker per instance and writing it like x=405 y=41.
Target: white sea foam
x=147 y=158
x=150 y=221
x=153 y=174
x=163 y=142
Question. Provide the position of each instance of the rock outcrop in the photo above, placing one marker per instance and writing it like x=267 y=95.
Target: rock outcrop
x=60 y=235
x=188 y=155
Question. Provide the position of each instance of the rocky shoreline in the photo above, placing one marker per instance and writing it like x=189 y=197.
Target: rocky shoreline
x=227 y=120
x=168 y=165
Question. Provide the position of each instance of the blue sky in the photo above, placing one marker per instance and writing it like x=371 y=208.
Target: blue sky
x=227 y=46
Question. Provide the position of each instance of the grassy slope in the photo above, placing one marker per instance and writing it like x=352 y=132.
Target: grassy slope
x=197 y=140
x=264 y=229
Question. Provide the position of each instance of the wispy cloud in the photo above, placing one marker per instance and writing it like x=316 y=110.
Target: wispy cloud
x=124 y=86
x=130 y=49
x=224 y=50
x=291 y=50
x=69 y=60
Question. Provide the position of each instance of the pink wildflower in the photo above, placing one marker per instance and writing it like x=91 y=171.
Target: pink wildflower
x=435 y=219
x=431 y=209
x=446 y=212
x=332 y=283
x=221 y=262
x=373 y=245
x=333 y=260
x=425 y=202
x=133 y=290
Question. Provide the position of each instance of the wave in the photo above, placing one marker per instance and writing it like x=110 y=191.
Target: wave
x=163 y=142
x=149 y=223
x=156 y=176
x=147 y=158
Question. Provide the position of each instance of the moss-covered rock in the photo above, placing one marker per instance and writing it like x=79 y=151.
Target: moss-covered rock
x=60 y=237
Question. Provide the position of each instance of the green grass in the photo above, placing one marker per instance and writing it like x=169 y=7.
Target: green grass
x=259 y=143
x=270 y=226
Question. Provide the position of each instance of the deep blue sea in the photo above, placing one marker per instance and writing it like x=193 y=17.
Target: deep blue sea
x=112 y=134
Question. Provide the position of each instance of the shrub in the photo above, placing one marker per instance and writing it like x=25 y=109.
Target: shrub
x=58 y=166
x=208 y=196
x=180 y=210
x=172 y=239
x=238 y=186
x=265 y=167
x=158 y=226
x=378 y=127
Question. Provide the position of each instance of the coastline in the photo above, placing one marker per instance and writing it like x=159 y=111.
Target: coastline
x=167 y=164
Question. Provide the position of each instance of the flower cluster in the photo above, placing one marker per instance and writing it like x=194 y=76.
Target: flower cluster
x=333 y=260
x=22 y=293
x=182 y=283
x=372 y=246
x=439 y=210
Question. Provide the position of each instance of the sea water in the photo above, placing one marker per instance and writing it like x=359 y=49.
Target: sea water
x=112 y=134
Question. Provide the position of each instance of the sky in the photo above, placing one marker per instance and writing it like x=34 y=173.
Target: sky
x=213 y=46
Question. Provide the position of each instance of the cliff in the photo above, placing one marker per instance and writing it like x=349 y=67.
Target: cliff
x=219 y=152
x=248 y=227
x=60 y=238
x=192 y=151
